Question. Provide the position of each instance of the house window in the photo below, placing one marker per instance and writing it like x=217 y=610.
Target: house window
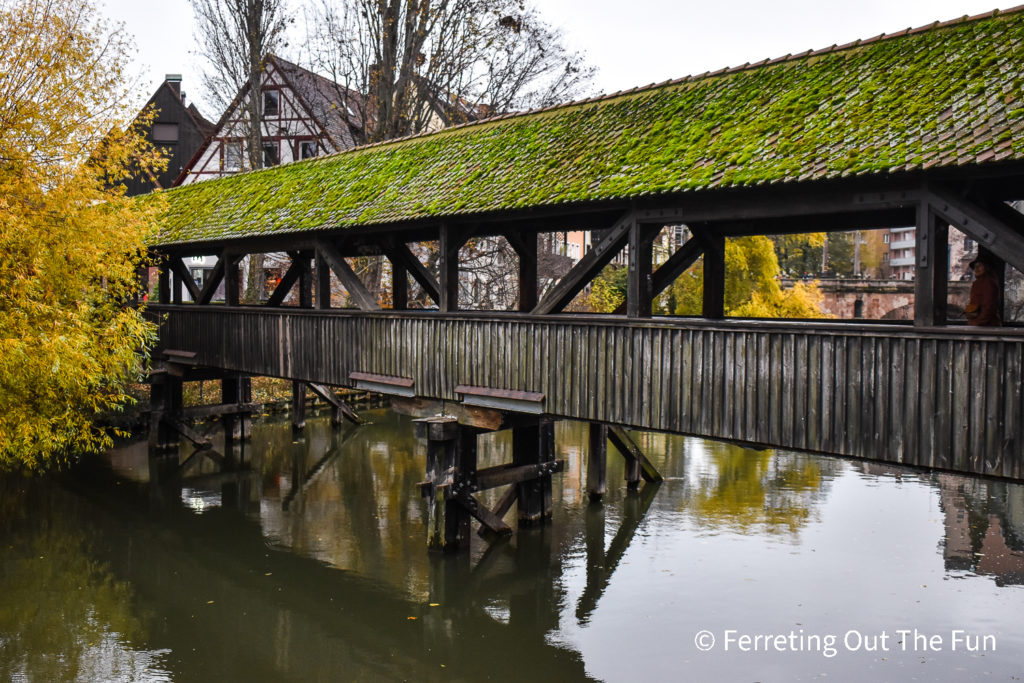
x=307 y=149
x=271 y=156
x=165 y=132
x=968 y=244
x=232 y=156
x=885 y=238
x=271 y=103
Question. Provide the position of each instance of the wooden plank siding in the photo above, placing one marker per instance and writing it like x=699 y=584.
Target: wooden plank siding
x=948 y=398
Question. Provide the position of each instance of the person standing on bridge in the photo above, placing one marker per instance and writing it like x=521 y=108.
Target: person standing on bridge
x=983 y=307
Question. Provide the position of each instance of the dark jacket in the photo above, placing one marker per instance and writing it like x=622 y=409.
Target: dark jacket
x=983 y=308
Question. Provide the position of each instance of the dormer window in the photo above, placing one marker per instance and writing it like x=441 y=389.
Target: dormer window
x=271 y=104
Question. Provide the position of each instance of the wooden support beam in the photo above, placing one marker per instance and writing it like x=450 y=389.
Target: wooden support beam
x=305 y=278
x=597 y=461
x=451 y=240
x=1001 y=238
x=492 y=522
x=291 y=276
x=183 y=277
x=339 y=409
x=639 y=289
x=323 y=282
x=677 y=264
x=931 y=268
x=231 y=276
x=631 y=451
x=502 y=475
x=451 y=456
x=534 y=445
x=525 y=247
x=298 y=406
x=212 y=282
x=163 y=281
x=399 y=287
x=356 y=289
x=714 y=276
x=400 y=255
x=587 y=268
x=199 y=412
x=199 y=441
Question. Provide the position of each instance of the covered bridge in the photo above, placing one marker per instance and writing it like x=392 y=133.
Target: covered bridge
x=922 y=128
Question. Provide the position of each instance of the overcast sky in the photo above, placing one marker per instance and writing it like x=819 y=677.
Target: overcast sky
x=632 y=42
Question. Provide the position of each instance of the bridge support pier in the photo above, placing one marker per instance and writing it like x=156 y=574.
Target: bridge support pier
x=637 y=465
x=298 y=406
x=451 y=465
x=165 y=399
x=235 y=389
x=534 y=445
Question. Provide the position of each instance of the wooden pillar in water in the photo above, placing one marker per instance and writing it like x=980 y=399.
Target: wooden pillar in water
x=534 y=445
x=165 y=401
x=451 y=463
x=298 y=406
x=931 y=269
x=597 y=461
x=235 y=389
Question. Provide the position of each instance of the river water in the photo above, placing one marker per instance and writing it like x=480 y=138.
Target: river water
x=309 y=564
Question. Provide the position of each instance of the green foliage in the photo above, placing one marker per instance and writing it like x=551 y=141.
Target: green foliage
x=609 y=289
x=799 y=254
x=69 y=245
x=894 y=105
x=751 y=285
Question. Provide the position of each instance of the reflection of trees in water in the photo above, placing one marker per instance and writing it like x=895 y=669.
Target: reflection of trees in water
x=63 y=615
x=745 y=490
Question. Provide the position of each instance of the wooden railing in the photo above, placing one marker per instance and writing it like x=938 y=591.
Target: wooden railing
x=947 y=397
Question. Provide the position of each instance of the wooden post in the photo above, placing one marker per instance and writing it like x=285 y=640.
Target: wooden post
x=533 y=445
x=164 y=281
x=305 y=280
x=231 y=392
x=526 y=248
x=399 y=286
x=597 y=461
x=323 y=282
x=230 y=278
x=298 y=406
x=714 y=277
x=641 y=252
x=165 y=400
x=451 y=462
x=931 y=268
x=176 y=287
x=450 y=243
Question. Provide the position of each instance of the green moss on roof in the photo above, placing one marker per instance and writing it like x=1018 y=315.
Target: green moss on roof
x=947 y=96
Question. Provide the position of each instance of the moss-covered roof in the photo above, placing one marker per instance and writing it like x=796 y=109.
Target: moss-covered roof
x=944 y=95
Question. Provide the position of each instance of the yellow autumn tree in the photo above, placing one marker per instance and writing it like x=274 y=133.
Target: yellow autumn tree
x=752 y=288
x=70 y=242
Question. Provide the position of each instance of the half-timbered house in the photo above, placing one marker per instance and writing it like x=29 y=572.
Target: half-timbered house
x=302 y=115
